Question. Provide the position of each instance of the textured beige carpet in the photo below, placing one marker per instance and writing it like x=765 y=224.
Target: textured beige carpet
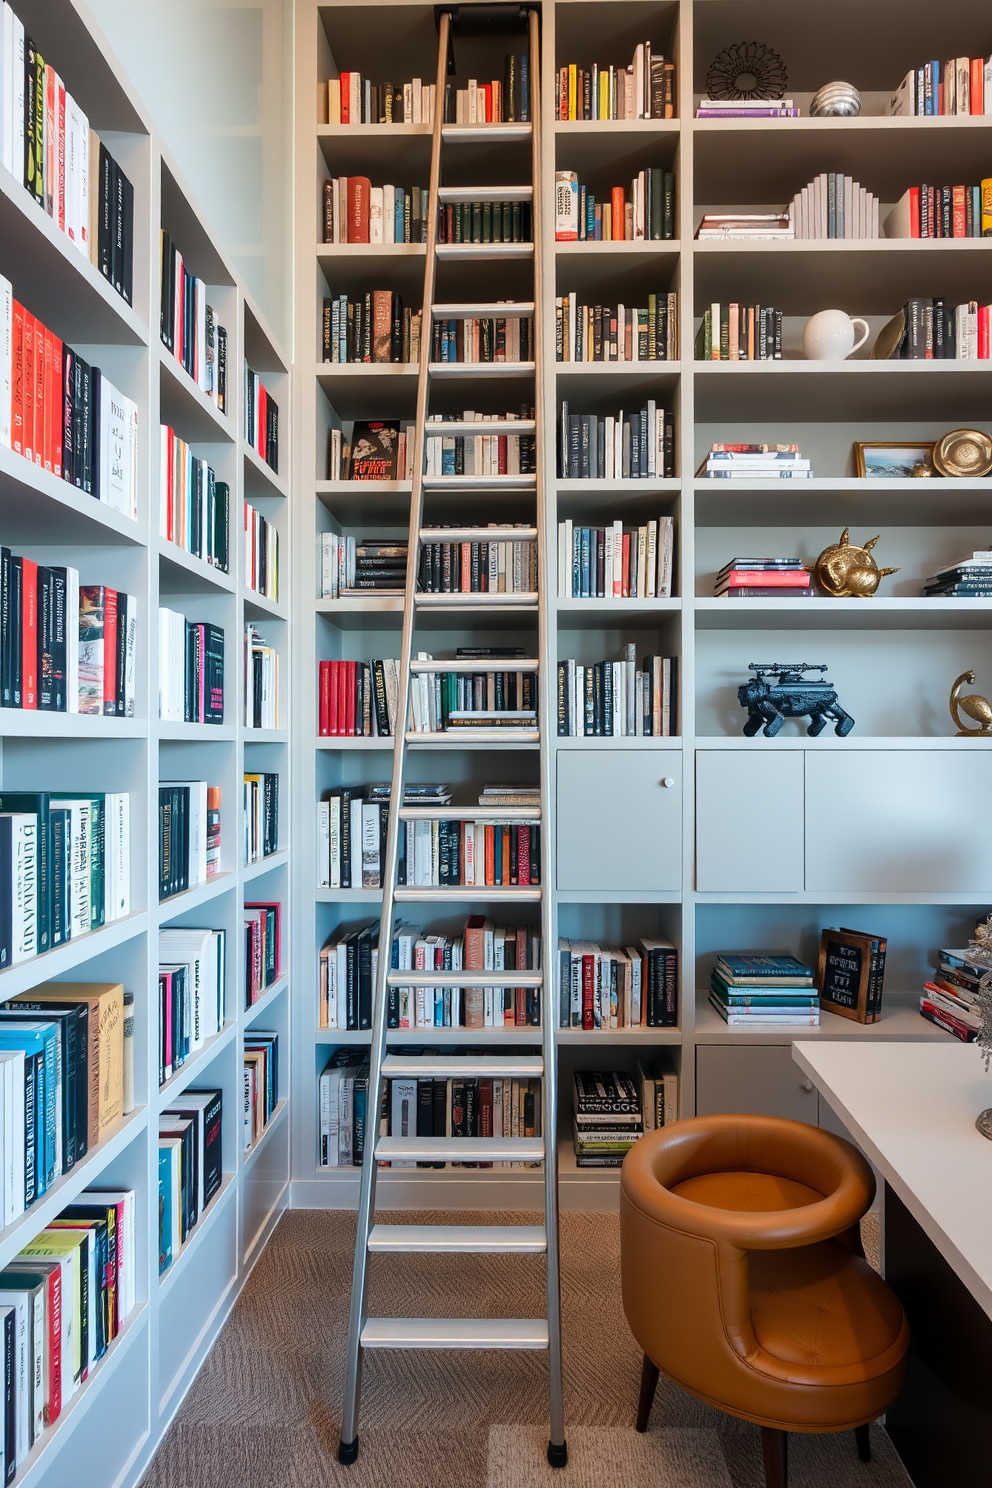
x=264 y=1408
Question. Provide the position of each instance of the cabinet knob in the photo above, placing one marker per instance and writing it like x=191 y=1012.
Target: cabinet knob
x=807 y=1085
x=668 y=781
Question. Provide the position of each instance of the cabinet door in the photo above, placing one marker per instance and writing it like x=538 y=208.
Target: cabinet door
x=749 y=821
x=619 y=823
x=897 y=820
x=753 y=1080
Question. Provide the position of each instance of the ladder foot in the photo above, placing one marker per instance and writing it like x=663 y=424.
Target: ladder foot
x=557 y=1454
x=348 y=1452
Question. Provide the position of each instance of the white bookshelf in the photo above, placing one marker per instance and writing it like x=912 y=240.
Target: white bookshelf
x=108 y=1431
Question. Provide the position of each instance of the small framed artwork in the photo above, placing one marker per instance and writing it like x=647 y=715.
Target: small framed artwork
x=893 y=461
x=844 y=974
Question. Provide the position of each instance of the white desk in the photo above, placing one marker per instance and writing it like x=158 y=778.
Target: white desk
x=912 y=1108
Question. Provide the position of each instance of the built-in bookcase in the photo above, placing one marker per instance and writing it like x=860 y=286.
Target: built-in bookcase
x=793 y=834
x=107 y=1432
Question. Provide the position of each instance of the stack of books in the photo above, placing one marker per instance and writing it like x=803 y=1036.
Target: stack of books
x=752 y=991
x=950 y=998
x=745 y=227
x=833 y=205
x=969 y=578
x=755 y=462
x=961 y=86
x=747 y=108
x=939 y=330
x=658 y=1088
x=764 y=578
x=606 y=1117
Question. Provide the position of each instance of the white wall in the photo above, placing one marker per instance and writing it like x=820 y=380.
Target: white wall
x=216 y=76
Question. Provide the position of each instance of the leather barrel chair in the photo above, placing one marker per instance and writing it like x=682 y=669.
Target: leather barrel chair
x=744 y=1279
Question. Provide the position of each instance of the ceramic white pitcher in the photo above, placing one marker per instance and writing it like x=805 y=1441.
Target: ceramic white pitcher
x=829 y=336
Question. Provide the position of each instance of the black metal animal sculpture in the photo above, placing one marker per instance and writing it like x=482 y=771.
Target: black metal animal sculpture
x=779 y=690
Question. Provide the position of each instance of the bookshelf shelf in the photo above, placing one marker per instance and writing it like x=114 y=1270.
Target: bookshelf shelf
x=274 y=1120
x=260 y=479
x=178 y=904
x=182 y=572
x=636 y=743
x=195 y=1239
x=63 y=958
x=900 y=1020
x=33 y=503
x=335 y=742
x=265 y=865
x=258 y=607
x=849 y=391
x=187 y=409
x=194 y=1066
x=197 y=733
x=29 y=723
x=265 y=736
x=264 y=1003
x=844 y=614
x=827 y=499
x=618 y=1037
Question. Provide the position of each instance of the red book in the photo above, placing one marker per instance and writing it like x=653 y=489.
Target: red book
x=261 y=413
x=773 y=578
x=489 y=835
x=958 y=218
x=466 y=568
x=914 y=211
x=976 y=93
x=29 y=633
x=110 y=658
x=984 y=318
x=618 y=215
x=38 y=443
x=350 y=669
x=48 y=408
x=358 y=208
x=333 y=699
x=323 y=698
x=487 y=90
x=588 y=991
x=341 y=722
x=58 y=410
x=17 y=380
x=29 y=385
x=501 y=448
x=346 y=98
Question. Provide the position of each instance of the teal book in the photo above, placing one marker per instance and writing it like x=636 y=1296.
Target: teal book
x=40 y=1044
x=166 y=1158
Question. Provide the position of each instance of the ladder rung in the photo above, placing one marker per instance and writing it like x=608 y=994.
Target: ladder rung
x=460 y=1149
x=477 y=534
x=455 y=1333
x=481 y=369
x=479 y=735
x=459 y=1239
x=470 y=134
x=439 y=428
x=486 y=893
x=484 y=251
x=484 y=193
x=477 y=664
x=495 y=601
x=471 y=813
x=487 y=978
x=412 y=1066
x=496 y=484
x=489 y=310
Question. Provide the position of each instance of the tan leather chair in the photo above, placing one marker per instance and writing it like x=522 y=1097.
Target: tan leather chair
x=745 y=1281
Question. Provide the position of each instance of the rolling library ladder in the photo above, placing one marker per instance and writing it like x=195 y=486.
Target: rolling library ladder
x=440 y=1240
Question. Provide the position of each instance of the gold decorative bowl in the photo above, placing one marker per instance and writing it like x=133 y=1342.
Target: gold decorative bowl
x=963 y=452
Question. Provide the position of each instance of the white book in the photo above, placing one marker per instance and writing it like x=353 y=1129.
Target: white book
x=407 y=103
x=17 y=99
x=7 y=87
x=24 y=873
x=355 y=97
x=115 y=448
x=73 y=142
x=898 y=224
x=388 y=214
x=376 y=203
x=323 y=844
x=902 y=103
x=416 y=101
x=987 y=84
x=567 y=216
x=6 y=356
x=117 y=855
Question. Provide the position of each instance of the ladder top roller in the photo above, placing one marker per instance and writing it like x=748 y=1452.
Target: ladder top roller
x=459 y=1239
x=455 y=1333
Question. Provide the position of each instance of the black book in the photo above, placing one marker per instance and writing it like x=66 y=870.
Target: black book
x=425 y=1116
x=124 y=255
x=106 y=227
x=165 y=319
x=366 y=940
x=68 y=395
x=82 y=438
x=272 y=434
x=213 y=663
x=15 y=615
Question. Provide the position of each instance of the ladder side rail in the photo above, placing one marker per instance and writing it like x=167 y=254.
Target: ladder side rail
x=547 y=643
x=348 y=1447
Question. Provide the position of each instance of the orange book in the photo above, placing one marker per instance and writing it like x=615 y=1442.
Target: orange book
x=977 y=89
x=29 y=385
x=48 y=405
x=617 y=213
x=475 y=960
x=17 y=380
x=359 y=188
x=466 y=568
x=958 y=213
x=382 y=324
x=490 y=858
x=41 y=334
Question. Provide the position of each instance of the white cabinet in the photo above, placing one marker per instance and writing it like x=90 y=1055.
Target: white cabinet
x=749 y=821
x=620 y=820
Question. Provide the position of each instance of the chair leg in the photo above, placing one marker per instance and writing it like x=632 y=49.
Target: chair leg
x=775 y=1449
x=649 y=1383
x=862 y=1435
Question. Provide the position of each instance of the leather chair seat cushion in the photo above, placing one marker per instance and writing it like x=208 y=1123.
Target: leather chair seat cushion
x=820 y=1313
x=753 y=1193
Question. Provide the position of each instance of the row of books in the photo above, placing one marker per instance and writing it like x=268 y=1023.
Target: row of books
x=755 y=462
x=355 y=211
x=942 y=212
x=510 y=221
x=188 y=827
x=348 y=966
x=950 y=998
x=46 y=144
x=617 y=333
x=740 y=333
x=357 y=698
x=618 y=699
x=967 y=578
x=500 y=565
x=191 y=982
x=263 y=949
x=643 y=90
x=474 y=698
x=65 y=867
x=833 y=205
x=481 y=454
x=261 y=419
x=189 y=326
x=747 y=108
x=351 y=566
x=190 y=669
x=260 y=814
x=470 y=1106
x=62 y=414
x=64 y=647
x=936 y=329
x=190 y=1168
x=508 y=338
x=379 y=449
x=646 y=210
x=261 y=1083
x=961 y=86
x=614 y=562
x=765 y=990
x=639 y=445
x=504 y=100
x=720 y=227
x=609 y=987
x=352 y=99
x=62 y=1078
x=64 y=1298
x=376 y=326
x=261 y=681
x=194 y=511
x=764 y=578
x=261 y=572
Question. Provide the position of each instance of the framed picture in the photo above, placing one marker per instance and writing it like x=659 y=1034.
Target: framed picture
x=893 y=461
x=844 y=974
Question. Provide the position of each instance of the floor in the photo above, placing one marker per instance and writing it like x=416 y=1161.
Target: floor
x=264 y=1406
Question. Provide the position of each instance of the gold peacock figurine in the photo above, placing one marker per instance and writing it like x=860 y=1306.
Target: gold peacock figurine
x=846 y=571
x=972 y=706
